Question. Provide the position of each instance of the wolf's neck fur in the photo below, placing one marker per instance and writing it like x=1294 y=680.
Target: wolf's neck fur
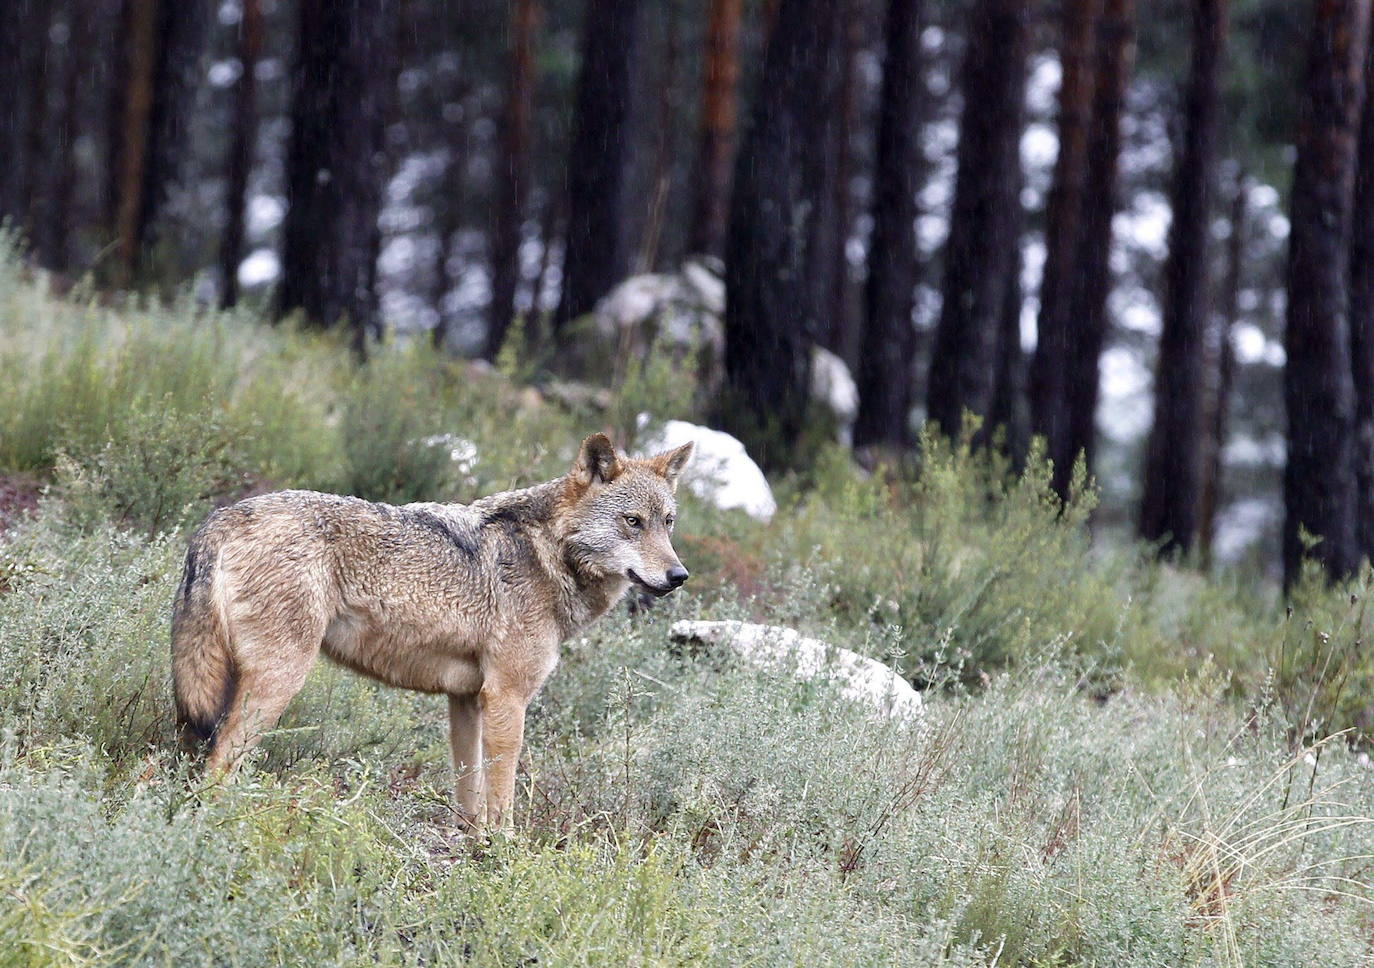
x=539 y=512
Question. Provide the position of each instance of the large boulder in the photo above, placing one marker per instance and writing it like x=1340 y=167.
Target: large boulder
x=833 y=387
x=721 y=471
x=777 y=649
x=675 y=313
x=682 y=314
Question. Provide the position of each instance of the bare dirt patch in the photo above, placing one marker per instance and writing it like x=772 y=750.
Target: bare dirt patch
x=19 y=495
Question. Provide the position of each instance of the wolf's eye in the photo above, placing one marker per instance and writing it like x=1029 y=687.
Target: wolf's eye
x=669 y=520
x=634 y=520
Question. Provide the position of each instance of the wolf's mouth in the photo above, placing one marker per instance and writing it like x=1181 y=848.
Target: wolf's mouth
x=656 y=590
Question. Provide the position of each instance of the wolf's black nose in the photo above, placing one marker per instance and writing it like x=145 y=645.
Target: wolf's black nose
x=676 y=576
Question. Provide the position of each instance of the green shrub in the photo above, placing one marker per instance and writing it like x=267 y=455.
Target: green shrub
x=158 y=472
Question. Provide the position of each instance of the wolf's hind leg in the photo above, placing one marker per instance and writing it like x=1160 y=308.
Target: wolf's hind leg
x=465 y=738
x=261 y=695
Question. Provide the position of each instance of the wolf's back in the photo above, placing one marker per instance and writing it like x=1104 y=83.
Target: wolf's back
x=202 y=665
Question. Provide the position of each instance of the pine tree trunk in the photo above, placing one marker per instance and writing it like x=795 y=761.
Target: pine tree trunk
x=823 y=242
x=336 y=164
x=842 y=337
x=163 y=41
x=1050 y=384
x=1362 y=318
x=513 y=178
x=715 y=143
x=594 y=258
x=1088 y=318
x=770 y=313
x=979 y=255
x=13 y=23
x=244 y=140
x=1319 y=480
x=57 y=232
x=884 y=374
x=1173 y=456
x=136 y=112
x=1223 y=376
x=1007 y=414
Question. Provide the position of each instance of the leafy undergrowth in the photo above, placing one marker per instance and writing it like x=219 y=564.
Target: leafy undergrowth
x=1120 y=763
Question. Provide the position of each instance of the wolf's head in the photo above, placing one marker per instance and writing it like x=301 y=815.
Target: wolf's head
x=618 y=515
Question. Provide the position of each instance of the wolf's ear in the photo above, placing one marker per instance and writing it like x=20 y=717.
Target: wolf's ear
x=597 y=461
x=672 y=464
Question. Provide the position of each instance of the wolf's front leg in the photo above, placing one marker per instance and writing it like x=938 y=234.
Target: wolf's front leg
x=465 y=739
x=503 y=729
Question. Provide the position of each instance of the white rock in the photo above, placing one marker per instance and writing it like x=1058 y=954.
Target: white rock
x=778 y=649
x=833 y=386
x=721 y=471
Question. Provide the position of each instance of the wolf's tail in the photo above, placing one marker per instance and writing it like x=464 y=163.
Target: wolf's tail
x=203 y=675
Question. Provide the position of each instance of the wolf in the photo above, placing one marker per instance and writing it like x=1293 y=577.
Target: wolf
x=471 y=601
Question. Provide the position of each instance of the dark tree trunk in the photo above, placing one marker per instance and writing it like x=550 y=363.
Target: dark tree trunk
x=162 y=45
x=1055 y=328
x=664 y=138
x=1223 y=376
x=823 y=247
x=513 y=178
x=139 y=32
x=1319 y=481
x=885 y=367
x=1362 y=319
x=1007 y=414
x=1088 y=319
x=120 y=53
x=1173 y=456
x=336 y=164
x=244 y=139
x=57 y=232
x=594 y=258
x=770 y=315
x=36 y=126
x=979 y=256
x=843 y=337
x=13 y=17
x=716 y=141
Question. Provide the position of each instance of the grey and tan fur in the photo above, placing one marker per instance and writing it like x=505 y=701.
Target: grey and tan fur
x=467 y=600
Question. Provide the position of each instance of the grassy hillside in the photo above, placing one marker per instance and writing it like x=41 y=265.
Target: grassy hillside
x=1120 y=763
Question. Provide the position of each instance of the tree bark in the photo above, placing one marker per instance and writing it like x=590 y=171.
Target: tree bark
x=1362 y=319
x=884 y=376
x=1173 y=457
x=842 y=337
x=1050 y=384
x=1088 y=318
x=162 y=42
x=244 y=140
x=1319 y=481
x=716 y=141
x=513 y=178
x=12 y=46
x=594 y=258
x=1223 y=376
x=57 y=231
x=37 y=159
x=979 y=255
x=336 y=164
x=136 y=112
x=770 y=312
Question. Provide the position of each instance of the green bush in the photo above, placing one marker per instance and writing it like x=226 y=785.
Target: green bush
x=156 y=473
